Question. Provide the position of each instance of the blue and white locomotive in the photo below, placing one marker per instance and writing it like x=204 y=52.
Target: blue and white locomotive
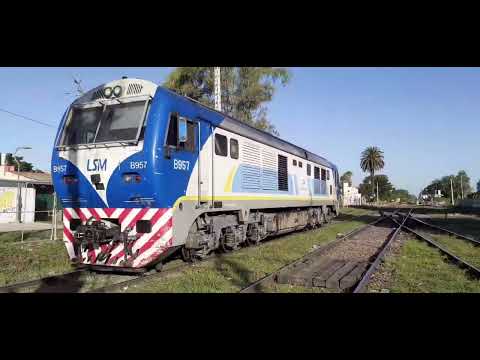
x=143 y=173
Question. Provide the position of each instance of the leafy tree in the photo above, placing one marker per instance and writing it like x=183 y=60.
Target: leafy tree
x=370 y=161
x=384 y=187
x=346 y=178
x=462 y=179
x=443 y=184
x=478 y=186
x=245 y=90
x=24 y=165
x=403 y=195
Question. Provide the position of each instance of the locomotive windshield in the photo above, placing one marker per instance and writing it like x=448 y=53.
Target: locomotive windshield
x=110 y=123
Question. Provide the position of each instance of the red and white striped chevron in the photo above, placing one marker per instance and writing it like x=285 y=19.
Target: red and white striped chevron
x=150 y=246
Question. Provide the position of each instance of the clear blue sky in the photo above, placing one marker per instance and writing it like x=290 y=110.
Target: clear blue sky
x=427 y=120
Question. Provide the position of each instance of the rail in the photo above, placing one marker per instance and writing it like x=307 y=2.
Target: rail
x=373 y=266
x=455 y=259
x=271 y=278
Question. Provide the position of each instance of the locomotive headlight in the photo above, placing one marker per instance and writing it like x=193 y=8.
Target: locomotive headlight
x=107 y=92
x=117 y=90
x=132 y=178
x=70 y=179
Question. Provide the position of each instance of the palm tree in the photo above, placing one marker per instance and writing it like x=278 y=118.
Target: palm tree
x=372 y=160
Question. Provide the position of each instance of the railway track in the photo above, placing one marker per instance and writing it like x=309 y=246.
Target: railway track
x=313 y=269
x=471 y=269
x=345 y=274
x=83 y=280
x=334 y=265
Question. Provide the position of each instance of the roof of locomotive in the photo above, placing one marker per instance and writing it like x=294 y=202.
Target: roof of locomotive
x=239 y=127
x=136 y=87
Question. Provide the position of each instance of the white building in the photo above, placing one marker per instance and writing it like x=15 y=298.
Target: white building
x=351 y=196
x=9 y=184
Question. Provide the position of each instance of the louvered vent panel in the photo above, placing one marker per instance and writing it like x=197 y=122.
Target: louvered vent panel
x=98 y=95
x=282 y=173
x=269 y=170
x=251 y=169
x=134 y=89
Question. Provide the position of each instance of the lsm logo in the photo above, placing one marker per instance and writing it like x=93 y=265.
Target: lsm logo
x=96 y=165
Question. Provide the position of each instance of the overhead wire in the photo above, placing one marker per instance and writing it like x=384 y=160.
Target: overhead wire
x=30 y=119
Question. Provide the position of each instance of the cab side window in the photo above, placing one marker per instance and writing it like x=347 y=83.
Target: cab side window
x=189 y=145
x=221 y=145
x=172 y=134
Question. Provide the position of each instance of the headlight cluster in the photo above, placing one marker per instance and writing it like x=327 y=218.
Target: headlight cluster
x=116 y=91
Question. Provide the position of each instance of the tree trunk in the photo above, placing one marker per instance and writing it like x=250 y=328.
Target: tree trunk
x=372 y=174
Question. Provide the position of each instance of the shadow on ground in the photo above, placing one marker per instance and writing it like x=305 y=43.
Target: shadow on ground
x=240 y=275
x=68 y=283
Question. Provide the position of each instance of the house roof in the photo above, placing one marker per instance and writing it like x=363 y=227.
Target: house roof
x=35 y=176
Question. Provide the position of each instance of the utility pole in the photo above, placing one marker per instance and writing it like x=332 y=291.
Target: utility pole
x=19 y=190
x=451 y=189
x=218 y=90
x=377 y=192
x=461 y=184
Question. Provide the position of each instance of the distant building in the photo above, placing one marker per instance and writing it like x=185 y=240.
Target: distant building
x=36 y=191
x=351 y=196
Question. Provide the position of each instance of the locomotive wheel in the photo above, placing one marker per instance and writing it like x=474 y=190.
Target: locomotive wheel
x=325 y=218
x=224 y=248
x=187 y=255
x=250 y=241
x=159 y=266
x=329 y=215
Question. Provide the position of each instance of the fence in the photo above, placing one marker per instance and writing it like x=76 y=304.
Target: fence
x=469 y=203
x=50 y=220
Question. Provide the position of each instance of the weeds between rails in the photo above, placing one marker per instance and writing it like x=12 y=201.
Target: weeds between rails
x=318 y=269
x=471 y=269
x=372 y=266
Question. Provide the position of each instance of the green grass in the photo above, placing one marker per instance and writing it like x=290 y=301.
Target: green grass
x=232 y=272
x=16 y=236
x=22 y=262
x=420 y=268
x=462 y=248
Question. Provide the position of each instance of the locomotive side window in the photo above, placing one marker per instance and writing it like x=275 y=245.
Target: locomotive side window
x=316 y=173
x=282 y=173
x=309 y=169
x=324 y=175
x=331 y=192
x=172 y=134
x=300 y=164
x=328 y=174
x=189 y=145
x=221 y=145
x=294 y=162
x=234 y=148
